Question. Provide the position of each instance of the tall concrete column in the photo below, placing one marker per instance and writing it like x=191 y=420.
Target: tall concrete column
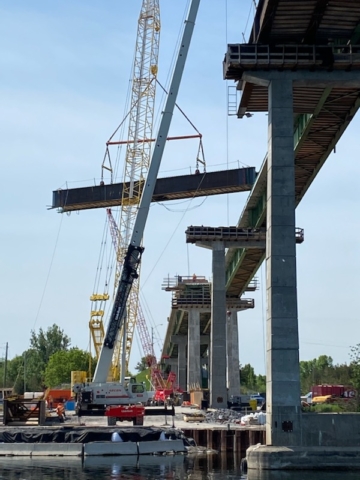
x=232 y=336
x=218 y=393
x=194 y=369
x=283 y=425
x=181 y=342
x=182 y=365
x=173 y=363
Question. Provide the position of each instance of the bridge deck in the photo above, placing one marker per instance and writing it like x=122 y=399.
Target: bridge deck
x=321 y=113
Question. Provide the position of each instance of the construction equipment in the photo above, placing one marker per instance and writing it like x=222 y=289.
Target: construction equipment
x=164 y=387
x=136 y=414
x=339 y=394
x=133 y=300
x=138 y=155
x=137 y=159
x=94 y=397
x=122 y=413
x=19 y=411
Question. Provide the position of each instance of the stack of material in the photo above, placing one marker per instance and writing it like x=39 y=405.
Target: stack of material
x=196 y=416
x=223 y=416
x=258 y=418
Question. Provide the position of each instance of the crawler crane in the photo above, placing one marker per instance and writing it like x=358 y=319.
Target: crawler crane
x=93 y=398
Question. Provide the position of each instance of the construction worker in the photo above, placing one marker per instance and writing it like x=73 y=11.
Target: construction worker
x=60 y=411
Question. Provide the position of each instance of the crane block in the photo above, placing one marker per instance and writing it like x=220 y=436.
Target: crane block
x=99 y=296
x=97 y=313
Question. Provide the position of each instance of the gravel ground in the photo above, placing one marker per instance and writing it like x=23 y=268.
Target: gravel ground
x=213 y=418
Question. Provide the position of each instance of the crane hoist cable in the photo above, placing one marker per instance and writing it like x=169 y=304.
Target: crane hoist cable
x=200 y=158
x=98 y=300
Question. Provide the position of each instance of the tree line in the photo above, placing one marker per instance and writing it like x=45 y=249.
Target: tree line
x=318 y=371
x=50 y=360
x=321 y=370
x=47 y=363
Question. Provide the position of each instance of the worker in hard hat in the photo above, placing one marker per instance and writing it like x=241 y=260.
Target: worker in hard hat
x=60 y=411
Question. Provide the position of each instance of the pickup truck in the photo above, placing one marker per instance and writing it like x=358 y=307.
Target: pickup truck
x=307 y=398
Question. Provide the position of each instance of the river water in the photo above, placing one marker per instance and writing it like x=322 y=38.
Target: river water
x=179 y=467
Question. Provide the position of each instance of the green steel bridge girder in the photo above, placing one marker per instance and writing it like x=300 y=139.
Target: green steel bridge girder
x=256 y=215
x=179 y=316
x=356 y=36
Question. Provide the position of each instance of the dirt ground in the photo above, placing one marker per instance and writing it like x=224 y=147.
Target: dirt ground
x=150 y=421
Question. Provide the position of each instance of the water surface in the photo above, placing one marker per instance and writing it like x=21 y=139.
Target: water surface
x=178 y=467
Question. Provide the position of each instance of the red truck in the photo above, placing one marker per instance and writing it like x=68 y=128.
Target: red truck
x=331 y=393
x=136 y=413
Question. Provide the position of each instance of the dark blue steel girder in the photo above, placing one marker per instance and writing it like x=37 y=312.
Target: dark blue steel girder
x=169 y=188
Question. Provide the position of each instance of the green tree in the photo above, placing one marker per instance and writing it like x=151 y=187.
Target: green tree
x=248 y=377
x=322 y=370
x=42 y=346
x=144 y=363
x=23 y=373
x=261 y=383
x=15 y=374
x=315 y=372
x=355 y=366
x=33 y=371
x=49 y=342
x=62 y=363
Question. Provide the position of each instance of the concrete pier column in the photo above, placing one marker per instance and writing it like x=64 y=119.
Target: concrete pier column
x=194 y=368
x=182 y=365
x=173 y=363
x=181 y=342
x=233 y=368
x=218 y=393
x=283 y=421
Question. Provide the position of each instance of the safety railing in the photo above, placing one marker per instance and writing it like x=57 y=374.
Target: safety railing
x=253 y=285
x=240 y=303
x=202 y=234
x=204 y=301
x=180 y=281
x=197 y=299
x=247 y=56
x=196 y=233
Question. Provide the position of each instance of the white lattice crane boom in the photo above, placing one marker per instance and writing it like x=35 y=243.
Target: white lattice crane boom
x=138 y=151
x=137 y=159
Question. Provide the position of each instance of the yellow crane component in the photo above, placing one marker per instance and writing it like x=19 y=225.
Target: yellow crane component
x=138 y=151
x=96 y=323
x=137 y=160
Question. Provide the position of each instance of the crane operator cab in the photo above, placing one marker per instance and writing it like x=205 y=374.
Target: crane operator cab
x=132 y=386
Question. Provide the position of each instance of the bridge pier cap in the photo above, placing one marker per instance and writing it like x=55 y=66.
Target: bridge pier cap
x=321 y=53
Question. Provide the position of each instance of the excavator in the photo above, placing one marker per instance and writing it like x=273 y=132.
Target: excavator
x=99 y=396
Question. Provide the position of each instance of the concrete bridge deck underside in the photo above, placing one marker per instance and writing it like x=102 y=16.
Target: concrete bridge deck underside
x=322 y=112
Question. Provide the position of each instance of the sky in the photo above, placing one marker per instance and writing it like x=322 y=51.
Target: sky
x=65 y=73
